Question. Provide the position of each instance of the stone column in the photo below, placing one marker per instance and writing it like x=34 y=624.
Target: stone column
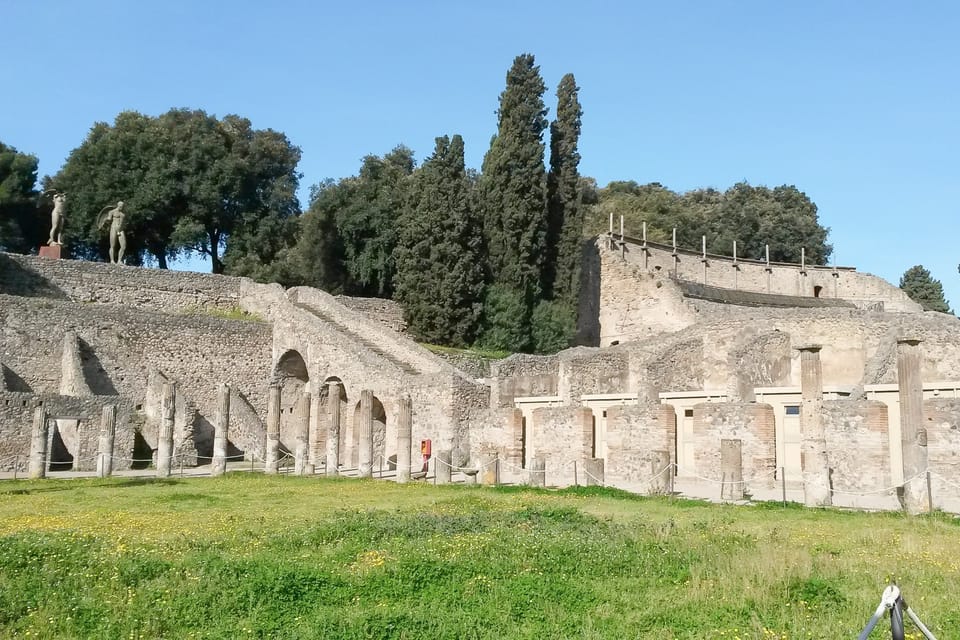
x=731 y=469
x=108 y=430
x=816 y=466
x=441 y=466
x=221 y=431
x=593 y=470
x=313 y=433
x=38 y=444
x=365 y=454
x=661 y=475
x=271 y=463
x=538 y=472
x=333 y=430
x=404 y=439
x=301 y=453
x=165 y=438
x=913 y=433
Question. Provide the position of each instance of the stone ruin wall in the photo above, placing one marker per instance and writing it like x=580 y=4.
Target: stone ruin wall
x=779 y=278
x=629 y=296
x=120 y=349
x=81 y=438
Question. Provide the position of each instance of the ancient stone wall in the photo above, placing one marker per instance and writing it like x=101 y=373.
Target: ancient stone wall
x=561 y=436
x=636 y=436
x=858 y=445
x=586 y=371
x=785 y=279
x=78 y=422
x=120 y=346
x=942 y=420
x=523 y=375
x=97 y=282
x=751 y=423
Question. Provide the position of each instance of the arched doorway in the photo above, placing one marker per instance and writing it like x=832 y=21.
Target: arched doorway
x=291 y=374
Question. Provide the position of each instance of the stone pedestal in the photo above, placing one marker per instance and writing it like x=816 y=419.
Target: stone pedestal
x=731 y=469
x=54 y=252
x=537 y=474
x=661 y=474
x=593 y=470
x=470 y=476
x=489 y=469
x=441 y=466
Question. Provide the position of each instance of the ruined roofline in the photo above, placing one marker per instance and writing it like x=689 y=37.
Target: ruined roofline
x=639 y=242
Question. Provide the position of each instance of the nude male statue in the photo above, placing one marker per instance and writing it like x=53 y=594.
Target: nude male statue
x=117 y=236
x=57 y=219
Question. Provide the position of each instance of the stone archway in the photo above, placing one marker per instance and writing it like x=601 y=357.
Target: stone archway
x=292 y=377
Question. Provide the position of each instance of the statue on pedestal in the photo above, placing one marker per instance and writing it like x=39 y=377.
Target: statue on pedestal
x=58 y=217
x=117 y=237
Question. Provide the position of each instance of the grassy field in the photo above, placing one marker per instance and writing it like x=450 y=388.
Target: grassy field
x=249 y=556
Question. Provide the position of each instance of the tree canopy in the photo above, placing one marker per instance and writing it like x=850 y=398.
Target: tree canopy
x=754 y=216
x=190 y=182
x=919 y=284
x=22 y=227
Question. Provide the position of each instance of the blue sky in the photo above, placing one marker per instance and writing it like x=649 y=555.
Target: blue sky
x=855 y=103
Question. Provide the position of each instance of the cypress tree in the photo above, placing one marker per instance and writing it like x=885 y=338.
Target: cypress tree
x=513 y=197
x=565 y=213
x=440 y=278
x=920 y=285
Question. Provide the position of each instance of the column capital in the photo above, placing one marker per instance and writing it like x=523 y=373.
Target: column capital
x=810 y=348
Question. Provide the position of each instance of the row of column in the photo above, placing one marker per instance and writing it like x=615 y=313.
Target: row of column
x=302 y=452
x=817 y=489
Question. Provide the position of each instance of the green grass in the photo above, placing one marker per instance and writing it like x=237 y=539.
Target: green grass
x=233 y=313
x=251 y=556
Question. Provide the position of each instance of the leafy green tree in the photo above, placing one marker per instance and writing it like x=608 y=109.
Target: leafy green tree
x=367 y=222
x=21 y=225
x=127 y=161
x=439 y=257
x=513 y=196
x=318 y=258
x=919 y=284
x=189 y=182
x=565 y=213
x=783 y=217
x=505 y=323
x=553 y=324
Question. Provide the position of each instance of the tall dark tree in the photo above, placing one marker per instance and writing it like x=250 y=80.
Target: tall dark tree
x=561 y=276
x=367 y=223
x=513 y=193
x=21 y=225
x=317 y=260
x=919 y=284
x=440 y=277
